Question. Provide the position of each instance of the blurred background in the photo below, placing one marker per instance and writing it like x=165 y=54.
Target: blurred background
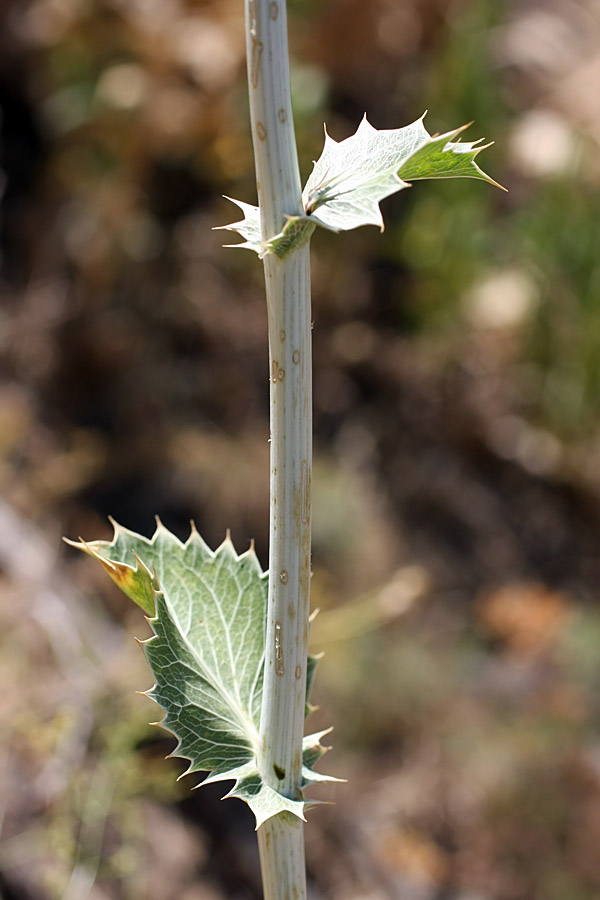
x=457 y=440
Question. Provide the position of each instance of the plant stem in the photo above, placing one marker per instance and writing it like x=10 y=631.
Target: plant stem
x=287 y=282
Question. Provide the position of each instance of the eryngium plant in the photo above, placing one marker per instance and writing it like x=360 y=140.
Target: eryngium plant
x=229 y=651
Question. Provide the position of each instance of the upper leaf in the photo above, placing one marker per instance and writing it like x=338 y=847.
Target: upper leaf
x=351 y=177
x=206 y=654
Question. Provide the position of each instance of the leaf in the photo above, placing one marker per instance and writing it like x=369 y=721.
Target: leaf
x=296 y=231
x=206 y=654
x=351 y=177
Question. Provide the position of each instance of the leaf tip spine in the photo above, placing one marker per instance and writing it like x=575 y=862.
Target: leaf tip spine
x=227 y=545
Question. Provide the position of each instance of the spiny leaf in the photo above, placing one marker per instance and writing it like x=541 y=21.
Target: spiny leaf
x=351 y=177
x=296 y=231
x=206 y=654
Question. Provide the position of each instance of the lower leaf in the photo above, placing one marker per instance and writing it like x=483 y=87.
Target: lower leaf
x=208 y=614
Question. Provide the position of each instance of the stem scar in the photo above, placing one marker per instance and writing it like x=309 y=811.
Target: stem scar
x=257 y=46
x=305 y=493
x=279 y=666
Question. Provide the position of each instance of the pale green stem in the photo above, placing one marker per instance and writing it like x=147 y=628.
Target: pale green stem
x=281 y=846
x=287 y=281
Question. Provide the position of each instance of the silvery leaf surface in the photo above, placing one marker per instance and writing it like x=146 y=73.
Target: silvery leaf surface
x=352 y=176
x=208 y=615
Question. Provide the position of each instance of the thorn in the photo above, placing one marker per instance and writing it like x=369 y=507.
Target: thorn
x=106 y=564
x=322 y=734
x=114 y=524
